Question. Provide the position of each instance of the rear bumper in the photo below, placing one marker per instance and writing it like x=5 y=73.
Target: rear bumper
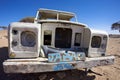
x=37 y=65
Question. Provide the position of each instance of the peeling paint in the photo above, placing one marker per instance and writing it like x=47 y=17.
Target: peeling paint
x=63 y=66
x=36 y=66
x=64 y=57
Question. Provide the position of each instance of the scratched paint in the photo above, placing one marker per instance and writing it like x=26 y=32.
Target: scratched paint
x=61 y=57
x=63 y=66
x=64 y=57
x=55 y=57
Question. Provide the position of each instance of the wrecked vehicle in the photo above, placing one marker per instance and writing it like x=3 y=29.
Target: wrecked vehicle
x=54 y=42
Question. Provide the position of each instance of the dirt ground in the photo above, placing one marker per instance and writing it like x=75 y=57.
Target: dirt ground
x=111 y=72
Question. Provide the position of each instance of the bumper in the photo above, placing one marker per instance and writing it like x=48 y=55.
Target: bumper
x=42 y=65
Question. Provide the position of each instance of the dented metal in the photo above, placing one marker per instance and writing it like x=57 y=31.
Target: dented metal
x=54 y=43
x=44 y=66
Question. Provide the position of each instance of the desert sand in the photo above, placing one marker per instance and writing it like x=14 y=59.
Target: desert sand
x=111 y=72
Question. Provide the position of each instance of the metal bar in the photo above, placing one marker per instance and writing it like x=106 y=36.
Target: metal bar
x=35 y=67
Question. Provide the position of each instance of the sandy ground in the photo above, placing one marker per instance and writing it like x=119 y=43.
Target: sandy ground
x=111 y=72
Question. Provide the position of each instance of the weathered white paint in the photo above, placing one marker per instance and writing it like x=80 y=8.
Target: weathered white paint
x=61 y=20
x=20 y=51
x=54 y=14
x=44 y=66
x=52 y=27
x=96 y=52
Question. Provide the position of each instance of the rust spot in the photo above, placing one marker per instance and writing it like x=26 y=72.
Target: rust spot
x=74 y=64
x=12 y=55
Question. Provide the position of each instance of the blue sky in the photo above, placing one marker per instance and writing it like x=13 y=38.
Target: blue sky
x=97 y=14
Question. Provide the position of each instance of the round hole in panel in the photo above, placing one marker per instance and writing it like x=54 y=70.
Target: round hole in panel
x=28 y=39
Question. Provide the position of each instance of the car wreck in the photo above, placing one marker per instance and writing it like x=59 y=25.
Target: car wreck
x=55 y=42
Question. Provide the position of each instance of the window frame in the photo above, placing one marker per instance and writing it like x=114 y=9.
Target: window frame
x=75 y=43
x=44 y=37
x=94 y=43
x=62 y=38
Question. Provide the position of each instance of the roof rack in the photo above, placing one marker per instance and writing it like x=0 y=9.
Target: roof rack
x=44 y=14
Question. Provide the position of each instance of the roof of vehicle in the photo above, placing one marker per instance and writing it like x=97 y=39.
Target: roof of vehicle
x=62 y=21
x=54 y=14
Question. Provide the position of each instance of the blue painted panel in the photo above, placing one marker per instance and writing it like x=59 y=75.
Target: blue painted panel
x=64 y=57
x=54 y=57
x=61 y=57
x=63 y=66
